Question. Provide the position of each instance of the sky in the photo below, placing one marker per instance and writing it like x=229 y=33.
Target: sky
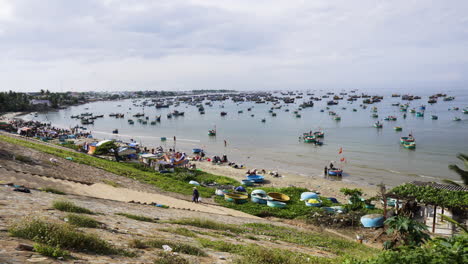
x=115 y=45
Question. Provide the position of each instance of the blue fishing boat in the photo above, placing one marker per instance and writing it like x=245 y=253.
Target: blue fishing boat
x=434 y=117
x=248 y=182
x=372 y=220
x=335 y=172
x=256 y=178
x=197 y=150
x=276 y=204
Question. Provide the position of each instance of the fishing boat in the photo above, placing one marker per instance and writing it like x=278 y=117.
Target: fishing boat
x=263 y=120
x=298 y=115
x=375 y=116
x=115 y=131
x=276 y=204
x=354 y=110
x=420 y=114
x=313 y=202
x=412 y=111
x=465 y=111
x=319 y=134
x=256 y=178
x=337 y=118
x=223 y=113
x=153 y=123
x=212 y=132
x=240 y=112
x=374 y=109
x=390 y=118
x=398 y=128
x=456 y=119
x=404 y=140
x=378 y=124
x=281 y=197
x=309 y=139
x=308 y=195
x=247 y=182
x=409 y=145
x=372 y=220
x=259 y=196
x=197 y=150
x=335 y=172
x=163 y=138
x=236 y=198
x=434 y=117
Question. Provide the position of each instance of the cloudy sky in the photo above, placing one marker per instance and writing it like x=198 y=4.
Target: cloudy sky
x=104 y=45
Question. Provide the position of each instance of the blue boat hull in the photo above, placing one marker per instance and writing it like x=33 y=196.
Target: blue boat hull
x=372 y=221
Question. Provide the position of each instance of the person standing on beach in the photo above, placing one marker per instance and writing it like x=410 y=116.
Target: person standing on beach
x=195 y=195
x=325 y=171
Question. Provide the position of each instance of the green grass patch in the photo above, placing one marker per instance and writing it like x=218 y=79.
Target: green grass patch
x=207 y=224
x=83 y=221
x=24 y=159
x=168 y=258
x=52 y=190
x=138 y=217
x=67 y=206
x=53 y=252
x=112 y=183
x=254 y=254
x=176 y=246
x=64 y=236
x=295 y=208
x=324 y=241
x=173 y=182
x=180 y=231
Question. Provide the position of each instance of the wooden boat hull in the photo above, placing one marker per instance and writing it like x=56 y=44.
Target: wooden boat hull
x=236 y=198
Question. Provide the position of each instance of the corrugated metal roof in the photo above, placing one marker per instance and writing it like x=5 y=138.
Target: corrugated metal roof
x=448 y=187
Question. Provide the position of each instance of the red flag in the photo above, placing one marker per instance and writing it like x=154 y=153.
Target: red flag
x=342 y=159
x=341 y=151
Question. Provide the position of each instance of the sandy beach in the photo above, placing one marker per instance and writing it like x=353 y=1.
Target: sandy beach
x=326 y=187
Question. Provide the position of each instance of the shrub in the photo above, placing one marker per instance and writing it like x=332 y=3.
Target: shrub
x=105 y=148
x=138 y=217
x=49 y=251
x=82 y=221
x=52 y=190
x=67 y=206
x=62 y=235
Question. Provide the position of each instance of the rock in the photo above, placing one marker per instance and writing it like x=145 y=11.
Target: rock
x=24 y=247
x=167 y=248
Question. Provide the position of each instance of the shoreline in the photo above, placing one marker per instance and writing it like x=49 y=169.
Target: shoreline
x=326 y=187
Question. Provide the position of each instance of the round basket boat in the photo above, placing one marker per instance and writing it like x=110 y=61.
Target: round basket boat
x=276 y=204
x=313 y=202
x=280 y=197
x=308 y=195
x=372 y=220
x=256 y=178
x=236 y=198
x=259 y=198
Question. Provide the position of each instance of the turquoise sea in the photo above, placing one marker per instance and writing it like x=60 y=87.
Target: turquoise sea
x=371 y=155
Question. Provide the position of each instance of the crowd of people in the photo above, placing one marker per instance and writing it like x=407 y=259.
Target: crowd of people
x=44 y=130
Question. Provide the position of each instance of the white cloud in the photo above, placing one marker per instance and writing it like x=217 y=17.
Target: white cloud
x=193 y=44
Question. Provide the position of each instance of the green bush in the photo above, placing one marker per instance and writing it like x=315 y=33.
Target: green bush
x=49 y=251
x=62 y=235
x=67 y=206
x=138 y=217
x=105 y=148
x=82 y=221
x=452 y=250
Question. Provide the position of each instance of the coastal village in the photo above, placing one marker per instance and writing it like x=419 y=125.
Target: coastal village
x=92 y=200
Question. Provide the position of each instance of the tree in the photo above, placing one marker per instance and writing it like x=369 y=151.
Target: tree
x=463 y=173
x=406 y=232
x=106 y=148
x=356 y=203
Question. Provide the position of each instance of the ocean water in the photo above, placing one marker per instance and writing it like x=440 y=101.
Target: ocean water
x=371 y=155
